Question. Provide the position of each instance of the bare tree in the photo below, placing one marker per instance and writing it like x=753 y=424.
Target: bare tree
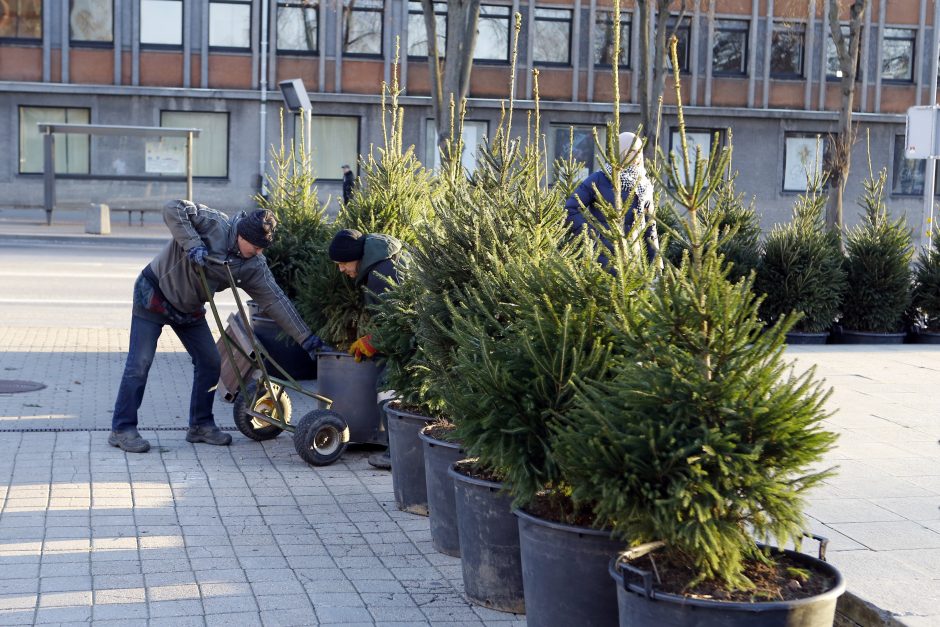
x=450 y=80
x=654 y=17
x=839 y=158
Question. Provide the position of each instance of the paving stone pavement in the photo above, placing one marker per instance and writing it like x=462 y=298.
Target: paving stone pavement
x=249 y=534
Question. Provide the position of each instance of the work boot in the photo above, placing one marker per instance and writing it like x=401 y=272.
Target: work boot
x=129 y=441
x=210 y=434
x=382 y=461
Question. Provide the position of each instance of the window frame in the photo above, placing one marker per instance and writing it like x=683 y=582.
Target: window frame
x=680 y=29
x=81 y=43
x=301 y=5
x=913 y=59
x=509 y=31
x=815 y=136
x=19 y=140
x=790 y=27
x=899 y=144
x=28 y=40
x=158 y=46
x=746 y=30
x=420 y=11
x=835 y=78
x=626 y=20
x=716 y=141
x=578 y=126
x=347 y=12
x=354 y=165
x=228 y=143
x=251 y=17
x=432 y=162
x=569 y=21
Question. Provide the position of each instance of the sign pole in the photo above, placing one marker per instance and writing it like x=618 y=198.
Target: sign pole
x=931 y=164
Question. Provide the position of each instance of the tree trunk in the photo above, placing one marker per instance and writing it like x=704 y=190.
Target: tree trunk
x=839 y=162
x=450 y=81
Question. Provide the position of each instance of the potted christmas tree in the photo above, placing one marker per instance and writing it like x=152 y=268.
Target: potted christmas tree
x=926 y=294
x=878 y=274
x=701 y=440
x=802 y=270
x=302 y=230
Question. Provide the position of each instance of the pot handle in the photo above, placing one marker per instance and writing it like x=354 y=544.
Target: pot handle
x=645 y=575
x=823 y=543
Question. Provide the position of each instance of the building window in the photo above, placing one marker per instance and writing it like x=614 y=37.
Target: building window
x=418 y=32
x=578 y=143
x=786 y=52
x=492 y=34
x=230 y=24
x=90 y=21
x=908 y=175
x=362 y=27
x=297 y=26
x=729 y=52
x=897 y=61
x=210 y=148
x=701 y=140
x=72 y=154
x=552 y=40
x=334 y=143
x=604 y=39
x=682 y=47
x=161 y=22
x=21 y=19
x=473 y=136
x=803 y=157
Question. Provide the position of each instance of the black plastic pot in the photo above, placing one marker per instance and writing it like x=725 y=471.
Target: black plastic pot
x=864 y=337
x=284 y=350
x=489 y=544
x=351 y=387
x=801 y=337
x=564 y=572
x=927 y=337
x=442 y=507
x=642 y=606
x=404 y=447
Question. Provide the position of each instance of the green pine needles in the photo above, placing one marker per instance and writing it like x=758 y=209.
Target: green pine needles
x=802 y=267
x=926 y=296
x=878 y=257
x=702 y=437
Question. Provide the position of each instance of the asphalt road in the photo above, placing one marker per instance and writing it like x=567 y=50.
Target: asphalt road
x=74 y=285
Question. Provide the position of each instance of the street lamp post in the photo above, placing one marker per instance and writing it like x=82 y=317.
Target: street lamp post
x=296 y=100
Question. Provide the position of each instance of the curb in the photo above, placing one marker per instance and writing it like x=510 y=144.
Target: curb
x=854 y=611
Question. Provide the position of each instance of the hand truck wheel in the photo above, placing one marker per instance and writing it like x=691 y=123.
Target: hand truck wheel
x=321 y=437
x=262 y=403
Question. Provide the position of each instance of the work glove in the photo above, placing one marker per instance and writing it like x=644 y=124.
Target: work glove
x=198 y=255
x=312 y=344
x=362 y=348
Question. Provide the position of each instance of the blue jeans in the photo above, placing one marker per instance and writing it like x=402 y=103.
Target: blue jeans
x=197 y=339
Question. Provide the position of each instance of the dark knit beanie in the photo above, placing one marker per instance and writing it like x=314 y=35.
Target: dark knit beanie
x=258 y=227
x=347 y=245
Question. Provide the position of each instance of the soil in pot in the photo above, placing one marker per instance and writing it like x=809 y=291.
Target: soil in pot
x=405 y=448
x=795 y=589
x=564 y=565
x=489 y=540
x=440 y=452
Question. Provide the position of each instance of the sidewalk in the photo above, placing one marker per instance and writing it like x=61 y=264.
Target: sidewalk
x=249 y=534
x=69 y=225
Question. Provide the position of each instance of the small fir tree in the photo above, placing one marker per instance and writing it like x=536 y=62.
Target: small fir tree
x=926 y=294
x=703 y=436
x=802 y=268
x=877 y=263
x=292 y=196
x=394 y=200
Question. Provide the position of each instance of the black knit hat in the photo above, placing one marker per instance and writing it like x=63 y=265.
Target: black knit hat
x=258 y=227
x=347 y=245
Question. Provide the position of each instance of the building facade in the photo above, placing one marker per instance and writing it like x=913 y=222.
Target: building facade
x=765 y=70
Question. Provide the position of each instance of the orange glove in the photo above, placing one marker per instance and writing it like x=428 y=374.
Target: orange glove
x=362 y=348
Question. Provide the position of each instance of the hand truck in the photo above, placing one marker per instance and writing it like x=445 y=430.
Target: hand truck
x=262 y=407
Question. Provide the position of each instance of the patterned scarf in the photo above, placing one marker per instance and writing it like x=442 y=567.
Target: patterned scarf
x=634 y=178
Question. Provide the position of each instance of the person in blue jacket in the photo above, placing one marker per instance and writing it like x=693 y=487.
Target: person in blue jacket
x=636 y=188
